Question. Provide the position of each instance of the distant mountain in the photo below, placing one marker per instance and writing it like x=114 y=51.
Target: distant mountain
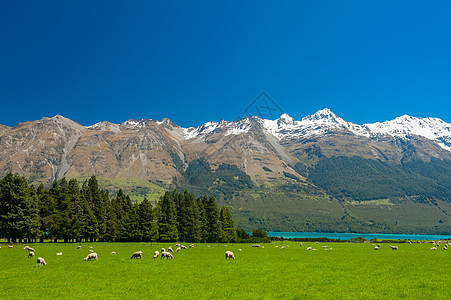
x=319 y=173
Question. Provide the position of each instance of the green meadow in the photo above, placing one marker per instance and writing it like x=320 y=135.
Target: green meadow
x=348 y=271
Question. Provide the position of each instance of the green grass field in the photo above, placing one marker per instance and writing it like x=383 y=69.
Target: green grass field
x=348 y=271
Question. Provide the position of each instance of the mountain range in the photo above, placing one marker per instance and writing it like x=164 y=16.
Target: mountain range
x=321 y=173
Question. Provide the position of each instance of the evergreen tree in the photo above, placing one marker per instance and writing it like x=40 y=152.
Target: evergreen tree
x=167 y=224
x=212 y=219
x=147 y=222
x=19 y=213
x=228 y=234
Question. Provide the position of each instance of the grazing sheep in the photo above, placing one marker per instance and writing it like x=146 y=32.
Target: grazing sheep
x=264 y=247
x=41 y=262
x=137 y=254
x=376 y=248
x=31 y=254
x=433 y=248
x=113 y=252
x=191 y=246
x=163 y=250
x=178 y=249
x=445 y=248
x=59 y=253
x=156 y=254
x=10 y=246
x=225 y=245
x=91 y=251
x=91 y=256
x=309 y=248
x=78 y=247
x=394 y=247
x=300 y=244
x=256 y=245
x=208 y=246
x=317 y=242
x=283 y=247
x=229 y=255
x=165 y=255
x=29 y=249
x=277 y=246
x=183 y=247
x=177 y=245
x=325 y=246
x=90 y=247
x=239 y=249
x=170 y=249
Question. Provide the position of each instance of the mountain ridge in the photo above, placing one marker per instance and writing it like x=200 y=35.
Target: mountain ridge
x=278 y=174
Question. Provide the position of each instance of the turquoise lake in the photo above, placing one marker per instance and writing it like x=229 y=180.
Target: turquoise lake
x=368 y=236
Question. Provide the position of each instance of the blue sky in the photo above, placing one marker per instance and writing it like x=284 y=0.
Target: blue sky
x=199 y=61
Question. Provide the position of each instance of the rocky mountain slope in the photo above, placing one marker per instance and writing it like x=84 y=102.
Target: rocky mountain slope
x=319 y=173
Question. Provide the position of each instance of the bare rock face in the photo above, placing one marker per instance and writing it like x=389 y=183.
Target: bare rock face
x=255 y=166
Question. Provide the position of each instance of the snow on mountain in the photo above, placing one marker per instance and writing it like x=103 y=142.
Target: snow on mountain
x=431 y=128
x=322 y=122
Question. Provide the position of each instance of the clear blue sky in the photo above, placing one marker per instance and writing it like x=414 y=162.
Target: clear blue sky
x=199 y=61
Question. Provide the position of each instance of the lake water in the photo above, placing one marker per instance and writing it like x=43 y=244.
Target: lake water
x=368 y=236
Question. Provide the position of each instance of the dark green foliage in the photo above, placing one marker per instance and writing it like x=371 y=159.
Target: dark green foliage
x=74 y=213
x=366 y=179
x=167 y=220
x=241 y=233
x=19 y=213
x=227 y=234
x=147 y=222
x=259 y=233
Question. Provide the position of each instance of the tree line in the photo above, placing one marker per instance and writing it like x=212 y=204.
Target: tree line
x=74 y=213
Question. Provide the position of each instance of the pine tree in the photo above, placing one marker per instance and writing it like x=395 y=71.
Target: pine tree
x=212 y=219
x=147 y=222
x=228 y=234
x=167 y=224
x=19 y=213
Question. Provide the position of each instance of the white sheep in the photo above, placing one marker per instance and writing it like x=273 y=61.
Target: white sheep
x=31 y=254
x=177 y=245
x=433 y=248
x=376 y=248
x=283 y=247
x=264 y=247
x=229 y=255
x=239 y=250
x=78 y=247
x=191 y=246
x=170 y=249
x=165 y=255
x=300 y=244
x=156 y=254
x=178 y=249
x=137 y=254
x=445 y=248
x=91 y=256
x=91 y=251
x=29 y=249
x=394 y=247
x=208 y=246
x=309 y=248
x=256 y=245
x=90 y=247
x=41 y=262
x=59 y=253
x=163 y=250
x=113 y=252
x=182 y=246
x=277 y=246
x=10 y=246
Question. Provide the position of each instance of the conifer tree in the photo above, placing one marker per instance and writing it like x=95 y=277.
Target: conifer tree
x=147 y=221
x=228 y=234
x=212 y=219
x=167 y=224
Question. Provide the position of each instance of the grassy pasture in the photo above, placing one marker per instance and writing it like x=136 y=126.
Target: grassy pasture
x=348 y=271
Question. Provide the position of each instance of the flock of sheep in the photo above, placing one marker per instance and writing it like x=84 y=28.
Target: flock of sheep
x=228 y=254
